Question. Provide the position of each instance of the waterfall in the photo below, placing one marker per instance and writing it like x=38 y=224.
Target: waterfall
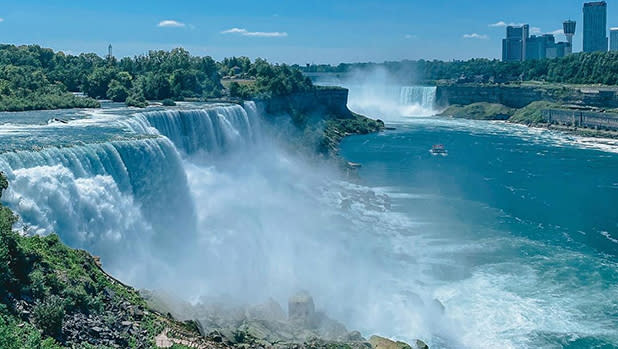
x=392 y=102
x=213 y=130
x=425 y=96
x=109 y=197
x=124 y=196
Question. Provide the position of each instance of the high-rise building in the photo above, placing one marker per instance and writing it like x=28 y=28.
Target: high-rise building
x=545 y=46
x=595 y=26
x=613 y=36
x=538 y=47
x=569 y=31
x=514 y=46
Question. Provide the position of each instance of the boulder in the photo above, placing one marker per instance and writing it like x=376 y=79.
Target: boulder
x=385 y=343
x=301 y=309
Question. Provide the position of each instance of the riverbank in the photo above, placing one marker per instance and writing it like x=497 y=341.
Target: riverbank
x=539 y=114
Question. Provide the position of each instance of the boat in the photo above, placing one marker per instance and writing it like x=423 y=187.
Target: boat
x=438 y=149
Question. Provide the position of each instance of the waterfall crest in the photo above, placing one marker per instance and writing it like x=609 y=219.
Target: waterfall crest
x=212 y=130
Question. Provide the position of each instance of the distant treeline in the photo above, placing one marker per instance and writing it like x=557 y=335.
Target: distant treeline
x=32 y=77
x=579 y=68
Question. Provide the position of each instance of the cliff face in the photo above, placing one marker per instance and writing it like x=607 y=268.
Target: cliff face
x=516 y=96
x=321 y=115
x=327 y=100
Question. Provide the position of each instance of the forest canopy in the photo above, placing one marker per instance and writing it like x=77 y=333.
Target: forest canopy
x=32 y=77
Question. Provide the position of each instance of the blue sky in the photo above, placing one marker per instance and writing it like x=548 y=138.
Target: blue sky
x=292 y=31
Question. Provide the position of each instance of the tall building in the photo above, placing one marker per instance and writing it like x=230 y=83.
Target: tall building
x=595 y=26
x=538 y=47
x=514 y=46
x=569 y=31
x=613 y=36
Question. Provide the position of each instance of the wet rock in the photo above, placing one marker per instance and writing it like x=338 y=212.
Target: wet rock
x=301 y=309
x=378 y=342
x=421 y=345
x=269 y=311
x=355 y=336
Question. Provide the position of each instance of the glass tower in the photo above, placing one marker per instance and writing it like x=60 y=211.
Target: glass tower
x=595 y=26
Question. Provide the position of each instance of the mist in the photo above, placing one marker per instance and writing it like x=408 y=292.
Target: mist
x=380 y=93
x=236 y=222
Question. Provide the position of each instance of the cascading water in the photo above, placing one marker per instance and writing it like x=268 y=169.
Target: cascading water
x=391 y=103
x=212 y=130
x=204 y=201
x=424 y=96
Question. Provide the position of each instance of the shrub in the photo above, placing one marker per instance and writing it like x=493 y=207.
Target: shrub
x=168 y=102
x=49 y=316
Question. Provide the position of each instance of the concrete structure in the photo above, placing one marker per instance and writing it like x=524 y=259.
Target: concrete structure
x=613 y=36
x=595 y=26
x=579 y=118
x=569 y=31
x=514 y=46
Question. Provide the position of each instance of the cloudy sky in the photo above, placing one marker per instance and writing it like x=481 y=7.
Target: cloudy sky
x=292 y=31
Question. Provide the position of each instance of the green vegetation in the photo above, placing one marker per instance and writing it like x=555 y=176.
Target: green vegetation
x=32 y=77
x=337 y=128
x=264 y=80
x=579 y=68
x=532 y=113
x=44 y=284
x=480 y=111
x=168 y=102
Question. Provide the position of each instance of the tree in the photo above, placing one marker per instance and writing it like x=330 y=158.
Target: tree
x=117 y=92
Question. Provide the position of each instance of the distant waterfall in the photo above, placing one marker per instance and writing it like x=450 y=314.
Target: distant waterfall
x=213 y=130
x=392 y=103
x=418 y=95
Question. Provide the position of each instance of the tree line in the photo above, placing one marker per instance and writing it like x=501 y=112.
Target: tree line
x=578 y=68
x=32 y=77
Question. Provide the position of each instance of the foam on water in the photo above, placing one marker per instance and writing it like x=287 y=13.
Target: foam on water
x=205 y=202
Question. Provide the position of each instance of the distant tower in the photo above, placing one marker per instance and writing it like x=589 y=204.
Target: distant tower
x=569 y=32
x=109 y=52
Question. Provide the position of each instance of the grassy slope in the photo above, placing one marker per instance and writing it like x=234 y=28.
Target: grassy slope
x=44 y=284
x=479 y=111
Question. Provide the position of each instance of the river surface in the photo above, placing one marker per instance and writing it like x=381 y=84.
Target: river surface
x=511 y=241
x=516 y=229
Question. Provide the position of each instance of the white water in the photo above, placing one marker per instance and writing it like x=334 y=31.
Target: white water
x=392 y=103
x=210 y=204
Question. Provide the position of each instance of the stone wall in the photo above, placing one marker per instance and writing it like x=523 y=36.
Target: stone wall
x=515 y=96
x=578 y=118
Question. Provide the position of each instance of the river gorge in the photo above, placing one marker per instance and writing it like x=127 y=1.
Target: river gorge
x=509 y=241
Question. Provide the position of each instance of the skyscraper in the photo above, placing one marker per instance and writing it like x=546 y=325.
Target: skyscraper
x=514 y=46
x=595 y=26
x=613 y=36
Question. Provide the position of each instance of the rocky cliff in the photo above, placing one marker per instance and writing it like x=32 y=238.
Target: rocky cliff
x=519 y=96
x=322 y=115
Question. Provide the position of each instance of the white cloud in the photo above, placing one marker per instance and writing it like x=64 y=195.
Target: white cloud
x=410 y=36
x=557 y=32
x=245 y=32
x=504 y=24
x=168 y=23
x=535 y=30
x=1 y=20
x=476 y=36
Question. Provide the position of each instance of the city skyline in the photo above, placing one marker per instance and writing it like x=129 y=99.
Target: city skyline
x=300 y=32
